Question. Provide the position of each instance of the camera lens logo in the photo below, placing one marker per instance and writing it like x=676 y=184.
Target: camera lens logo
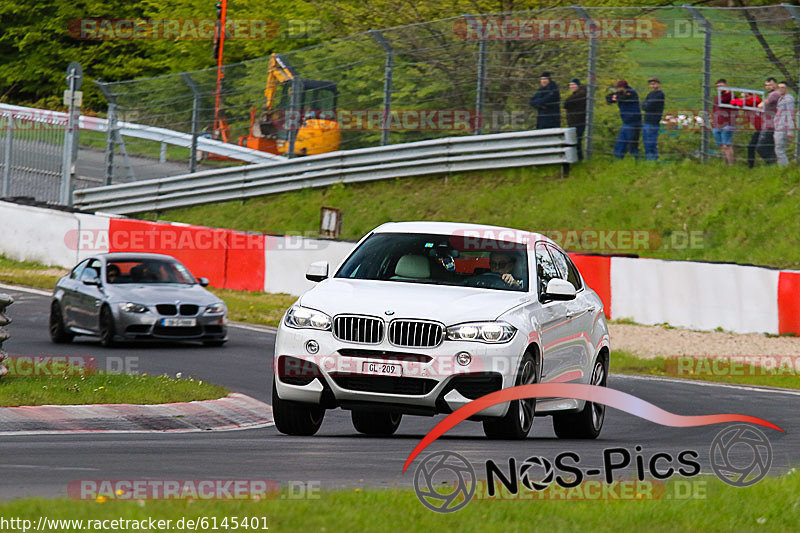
x=437 y=468
x=740 y=455
x=525 y=473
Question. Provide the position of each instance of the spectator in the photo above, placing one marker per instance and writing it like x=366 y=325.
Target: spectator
x=784 y=123
x=628 y=101
x=751 y=100
x=547 y=100
x=653 y=108
x=575 y=106
x=723 y=122
x=766 y=139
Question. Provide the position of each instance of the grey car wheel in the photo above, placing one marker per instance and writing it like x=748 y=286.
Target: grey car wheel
x=107 y=328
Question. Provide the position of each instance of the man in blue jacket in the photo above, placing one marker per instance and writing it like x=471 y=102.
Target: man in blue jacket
x=628 y=101
x=653 y=107
x=547 y=100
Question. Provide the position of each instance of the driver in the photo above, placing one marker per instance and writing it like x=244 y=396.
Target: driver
x=112 y=273
x=502 y=263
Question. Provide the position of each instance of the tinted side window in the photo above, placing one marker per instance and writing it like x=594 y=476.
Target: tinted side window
x=566 y=268
x=545 y=268
x=91 y=271
x=76 y=272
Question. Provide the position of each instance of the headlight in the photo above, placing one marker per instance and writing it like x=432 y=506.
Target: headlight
x=215 y=309
x=494 y=332
x=303 y=317
x=131 y=307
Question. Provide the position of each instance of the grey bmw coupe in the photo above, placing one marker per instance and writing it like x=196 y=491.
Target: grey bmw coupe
x=124 y=296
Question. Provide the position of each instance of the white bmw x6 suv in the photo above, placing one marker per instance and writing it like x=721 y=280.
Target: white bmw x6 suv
x=424 y=317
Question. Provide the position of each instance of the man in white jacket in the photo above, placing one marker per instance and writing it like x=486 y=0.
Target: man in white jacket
x=784 y=123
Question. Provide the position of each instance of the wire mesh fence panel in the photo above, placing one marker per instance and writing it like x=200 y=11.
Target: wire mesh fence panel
x=31 y=148
x=477 y=74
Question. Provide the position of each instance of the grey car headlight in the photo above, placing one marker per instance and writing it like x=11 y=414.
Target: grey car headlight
x=130 y=307
x=303 y=317
x=216 y=309
x=494 y=332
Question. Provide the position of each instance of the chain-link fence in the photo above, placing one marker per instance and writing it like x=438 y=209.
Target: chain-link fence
x=477 y=73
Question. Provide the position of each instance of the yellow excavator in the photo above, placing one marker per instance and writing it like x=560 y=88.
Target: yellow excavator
x=312 y=115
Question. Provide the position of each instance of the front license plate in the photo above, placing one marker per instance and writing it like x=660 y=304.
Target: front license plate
x=179 y=322
x=382 y=369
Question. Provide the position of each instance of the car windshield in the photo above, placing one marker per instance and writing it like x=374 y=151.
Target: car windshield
x=439 y=260
x=147 y=271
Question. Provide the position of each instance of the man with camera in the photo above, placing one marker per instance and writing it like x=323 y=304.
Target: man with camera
x=629 y=111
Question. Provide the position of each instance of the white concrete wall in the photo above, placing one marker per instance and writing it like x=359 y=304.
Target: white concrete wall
x=287 y=259
x=695 y=295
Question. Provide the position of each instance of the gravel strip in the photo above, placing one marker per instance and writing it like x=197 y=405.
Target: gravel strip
x=655 y=341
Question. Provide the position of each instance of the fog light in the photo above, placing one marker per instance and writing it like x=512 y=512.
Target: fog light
x=463 y=358
x=312 y=347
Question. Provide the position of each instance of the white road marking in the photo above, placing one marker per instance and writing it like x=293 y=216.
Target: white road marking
x=25 y=289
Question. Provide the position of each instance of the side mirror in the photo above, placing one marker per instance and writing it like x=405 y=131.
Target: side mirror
x=92 y=281
x=559 y=289
x=203 y=282
x=317 y=271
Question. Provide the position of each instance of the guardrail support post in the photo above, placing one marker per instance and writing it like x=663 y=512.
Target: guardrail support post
x=481 y=87
x=387 y=84
x=794 y=11
x=7 y=156
x=5 y=301
x=707 y=119
x=109 y=159
x=591 y=84
x=70 y=141
x=195 y=120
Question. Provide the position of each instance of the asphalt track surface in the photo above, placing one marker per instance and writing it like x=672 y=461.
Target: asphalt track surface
x=43 y=465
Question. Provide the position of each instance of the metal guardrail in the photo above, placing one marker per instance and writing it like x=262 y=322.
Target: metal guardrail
x=140 y=131
x=452 y=154
x=5 y=301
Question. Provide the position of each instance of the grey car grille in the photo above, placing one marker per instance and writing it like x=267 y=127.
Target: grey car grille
x=356 y=328
x=415 y=333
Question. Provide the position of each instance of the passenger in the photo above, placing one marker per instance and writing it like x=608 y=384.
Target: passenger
x=503 y=263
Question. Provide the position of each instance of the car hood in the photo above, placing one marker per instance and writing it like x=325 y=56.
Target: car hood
x=147 y=293
x=447 y=304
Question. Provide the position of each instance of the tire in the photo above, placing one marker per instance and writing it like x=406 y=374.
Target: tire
x=213 y=343
x=295 y=418
x=59 y=333
x=518 y=422
x=376 y=423
x=107 y=328
x=588 y=422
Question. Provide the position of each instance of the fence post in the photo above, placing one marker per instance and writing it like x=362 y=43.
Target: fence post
x=5 y=301
x=294 y=110
x=591 y=83
x=481 y=87
x=707 y=119
x=7 y=156
x=794 y=11
x=70 y=141
x=195 y=120
x=109 y=159
x=387 y=84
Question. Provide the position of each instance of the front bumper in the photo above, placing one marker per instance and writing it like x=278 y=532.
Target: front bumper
x=132 y=326
x=431 y=380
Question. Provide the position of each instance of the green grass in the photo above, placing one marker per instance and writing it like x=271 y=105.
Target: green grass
x=770 y=505
x=252 y=307
x=62 y=384
x=740 y=215
x=704 y=369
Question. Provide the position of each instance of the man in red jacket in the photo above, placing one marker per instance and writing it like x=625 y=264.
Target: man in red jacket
x=754 y=117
